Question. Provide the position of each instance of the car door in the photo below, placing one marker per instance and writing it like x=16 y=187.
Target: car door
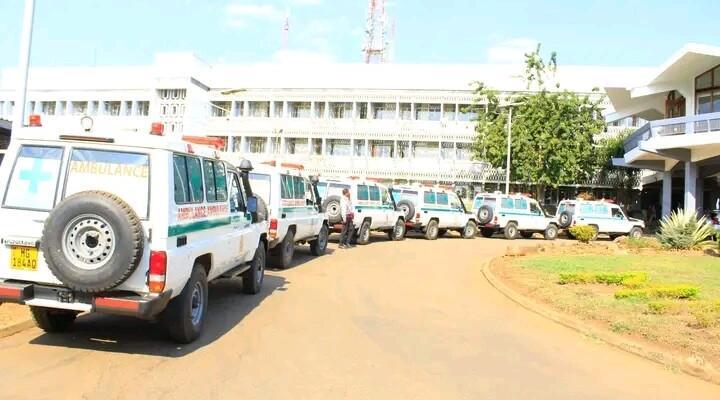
x=522 y=213
x=537 y=217
x=240 y=221
x=446 y=215
x=619 y=222
x=378 y=214
x=458 y=211
x=388 y=206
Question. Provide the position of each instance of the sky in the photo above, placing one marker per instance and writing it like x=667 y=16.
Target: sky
x=130 y=32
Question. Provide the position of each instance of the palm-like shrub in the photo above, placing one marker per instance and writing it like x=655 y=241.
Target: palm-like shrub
x=682 y=230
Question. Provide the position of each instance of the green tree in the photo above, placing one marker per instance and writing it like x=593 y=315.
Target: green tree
x=625 y=180
x=552 y=131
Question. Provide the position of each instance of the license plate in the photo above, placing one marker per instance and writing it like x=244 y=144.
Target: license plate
x=23 y=258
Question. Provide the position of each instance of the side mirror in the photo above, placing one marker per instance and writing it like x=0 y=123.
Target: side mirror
x=252 y=204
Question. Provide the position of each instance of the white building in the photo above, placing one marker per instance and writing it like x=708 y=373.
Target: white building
x=388 y=121
x=680 y=145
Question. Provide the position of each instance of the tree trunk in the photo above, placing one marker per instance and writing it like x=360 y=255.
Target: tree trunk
x=540 y=193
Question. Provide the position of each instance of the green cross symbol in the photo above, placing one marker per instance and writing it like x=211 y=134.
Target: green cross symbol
x=36 y=175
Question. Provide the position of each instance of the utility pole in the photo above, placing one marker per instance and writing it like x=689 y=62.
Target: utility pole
x=24 y=63
x=509 y=147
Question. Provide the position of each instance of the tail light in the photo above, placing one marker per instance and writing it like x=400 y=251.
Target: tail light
x=495 y=220
x=272 y=232
x=417 y=216
x=574 y=222
x=34 y=120
x=158 y=269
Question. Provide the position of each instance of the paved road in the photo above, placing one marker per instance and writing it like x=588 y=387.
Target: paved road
x=410 y=320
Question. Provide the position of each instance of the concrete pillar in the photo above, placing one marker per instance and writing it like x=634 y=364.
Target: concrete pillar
x=412 y=111
x=285 y=109
x=123 y=108
x=69 y=110
x=691 y=178
x=457 y=112
x=233 y=109
x=326 y=115
x=268 y=145
x=667 y=193
x=323 y=149
x=271 y=112
x=369 y=110
x=243 y=144
x=442 y=112
x=397 y=110
x=355 y=110
x=246 y=109
x=700 y=194
x=312 y=109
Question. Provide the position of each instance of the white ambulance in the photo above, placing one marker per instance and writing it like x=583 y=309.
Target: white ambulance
x=123 y=223
x=294 y=211
x=434 y=211
x=514 y=215
x=374 y=208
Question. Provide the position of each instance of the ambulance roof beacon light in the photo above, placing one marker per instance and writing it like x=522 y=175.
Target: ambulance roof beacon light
x=34 y=120
x=157 y=128
x=86 y=123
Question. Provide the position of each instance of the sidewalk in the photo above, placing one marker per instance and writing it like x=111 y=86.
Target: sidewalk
x=13 y=319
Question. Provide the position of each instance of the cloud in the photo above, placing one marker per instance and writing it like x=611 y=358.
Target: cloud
x=239 y=14
x=511 y=51
x=303 y=57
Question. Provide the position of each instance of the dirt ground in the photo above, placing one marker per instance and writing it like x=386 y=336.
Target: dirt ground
x=408 y=320
x=11 y=314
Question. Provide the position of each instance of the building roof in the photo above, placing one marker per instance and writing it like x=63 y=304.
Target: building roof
x=645 y=95
x=168 y=66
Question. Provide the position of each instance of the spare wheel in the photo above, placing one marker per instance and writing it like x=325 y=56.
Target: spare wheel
x=92 y=241
x=408 y=209
x=331 y=206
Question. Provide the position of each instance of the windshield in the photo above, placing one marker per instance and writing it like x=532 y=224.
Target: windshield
x=34 y=180
x=124 y=174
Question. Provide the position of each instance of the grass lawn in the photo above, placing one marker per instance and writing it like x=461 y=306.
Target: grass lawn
x=689 y=326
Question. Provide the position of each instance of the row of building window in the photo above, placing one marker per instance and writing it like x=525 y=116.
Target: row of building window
x=343 y=110
x=113 y=108
x=356 y=148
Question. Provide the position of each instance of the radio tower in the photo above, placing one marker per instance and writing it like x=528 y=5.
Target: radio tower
x=376 y=45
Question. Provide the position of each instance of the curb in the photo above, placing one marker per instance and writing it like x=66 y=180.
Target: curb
x=16 y=328
x=690 y=366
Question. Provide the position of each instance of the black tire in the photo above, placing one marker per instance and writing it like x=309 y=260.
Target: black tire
x=363 y=234
x=635 y=233
x=184 y=316
x=470 y=230
x=565 y=219
x=254 y=277
x=487 y=232
x=431 y=230
x=408 y=209
x=398 y=232
x=331 y=208
x=282 y=254
x=511 y=231
x=569 y=234
x=526 y=234
x=597 y=232
x=551 y=232
x=52 y=320
x=442 y=232
x=88 y=229
x=485 y=214
x=319 y=245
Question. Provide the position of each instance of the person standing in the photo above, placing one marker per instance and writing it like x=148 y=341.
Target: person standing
x=346 y=212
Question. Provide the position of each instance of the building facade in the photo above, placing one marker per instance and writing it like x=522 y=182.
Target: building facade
x=679 y=148
x=387 y=121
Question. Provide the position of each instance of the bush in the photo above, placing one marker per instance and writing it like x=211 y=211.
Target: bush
x=682 y=230
x=663 y=292
x=661 y=307
x=583 y=233
x=643 y=243
x=629 y=279
x=707 y=314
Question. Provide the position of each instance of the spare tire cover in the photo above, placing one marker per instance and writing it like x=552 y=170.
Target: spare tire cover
x=331 y=207
x=262 y=210
x=407 y=207
x=92 y=241
x=485 y=214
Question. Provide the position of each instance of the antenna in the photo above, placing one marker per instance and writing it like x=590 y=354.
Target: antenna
x=286 y=31
x=375 y=43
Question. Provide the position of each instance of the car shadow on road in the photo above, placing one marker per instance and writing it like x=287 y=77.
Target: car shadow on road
x=227 y=307
x=301 y=256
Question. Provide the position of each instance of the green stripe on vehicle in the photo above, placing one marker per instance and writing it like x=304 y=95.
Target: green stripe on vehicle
x=182 y=229
x=365 y=207
x=440 y=209
x=303 y=209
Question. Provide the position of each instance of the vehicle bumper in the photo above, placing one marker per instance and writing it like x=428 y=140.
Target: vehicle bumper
x=128 y=304
x=490 y=226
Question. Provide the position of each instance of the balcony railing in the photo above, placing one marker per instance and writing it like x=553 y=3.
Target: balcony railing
x=701 y=123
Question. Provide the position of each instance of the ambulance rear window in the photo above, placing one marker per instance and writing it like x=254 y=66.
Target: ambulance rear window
x=34 y=179
x=126 y=175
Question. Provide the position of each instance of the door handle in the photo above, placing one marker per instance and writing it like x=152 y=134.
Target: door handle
x=181 y=241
